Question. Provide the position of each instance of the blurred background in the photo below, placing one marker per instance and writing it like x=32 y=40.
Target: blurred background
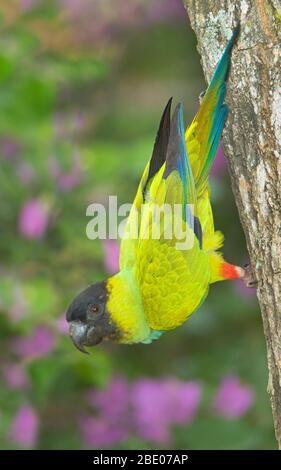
x=82 y=86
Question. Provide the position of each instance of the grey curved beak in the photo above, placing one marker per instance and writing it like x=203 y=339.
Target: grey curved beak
x=78 y=335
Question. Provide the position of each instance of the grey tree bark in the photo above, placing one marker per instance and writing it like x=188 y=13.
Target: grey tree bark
x=252 y=143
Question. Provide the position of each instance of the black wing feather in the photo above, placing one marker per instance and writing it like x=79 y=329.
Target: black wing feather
x=161 y=144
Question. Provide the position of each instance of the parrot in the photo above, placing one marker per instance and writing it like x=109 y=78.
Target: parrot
x=158 y=285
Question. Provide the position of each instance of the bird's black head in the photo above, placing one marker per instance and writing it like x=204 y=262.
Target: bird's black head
x=89 y=321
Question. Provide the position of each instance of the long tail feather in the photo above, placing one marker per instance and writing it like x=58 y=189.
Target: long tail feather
x=206 y=128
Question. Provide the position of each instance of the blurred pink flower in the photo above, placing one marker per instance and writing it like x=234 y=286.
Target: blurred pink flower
x=62 y=325
x=150 y=411
x=18 y=308
x=124 y=11
x=54 y=167
x=111 y=256
x=39 y=343
x=233 y=398
x=15 y=376
x=9 y=147
x=166 y=10
x=148 y=407
x=158 y=404
x=24 y=427
x=219 y=166
x=33 y=219
x=27 y=5
x=66 y=180
x=96 y=432
x=113 y=401
x=186 y=398
x=113 y=421
x=113 y=22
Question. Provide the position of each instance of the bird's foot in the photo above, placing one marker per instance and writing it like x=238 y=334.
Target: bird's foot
x=201 y=96
x=248 y=277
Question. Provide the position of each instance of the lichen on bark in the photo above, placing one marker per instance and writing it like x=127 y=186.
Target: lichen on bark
x=252 y=143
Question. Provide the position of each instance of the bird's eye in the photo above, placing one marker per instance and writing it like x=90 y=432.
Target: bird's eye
x=95 y=309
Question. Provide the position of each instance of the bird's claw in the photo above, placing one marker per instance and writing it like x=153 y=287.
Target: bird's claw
x=248 y=276
x=201 y=96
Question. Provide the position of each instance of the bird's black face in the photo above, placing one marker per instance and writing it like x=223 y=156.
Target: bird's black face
x=89 y=322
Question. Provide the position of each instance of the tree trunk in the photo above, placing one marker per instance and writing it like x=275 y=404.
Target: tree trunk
x=252 y=143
